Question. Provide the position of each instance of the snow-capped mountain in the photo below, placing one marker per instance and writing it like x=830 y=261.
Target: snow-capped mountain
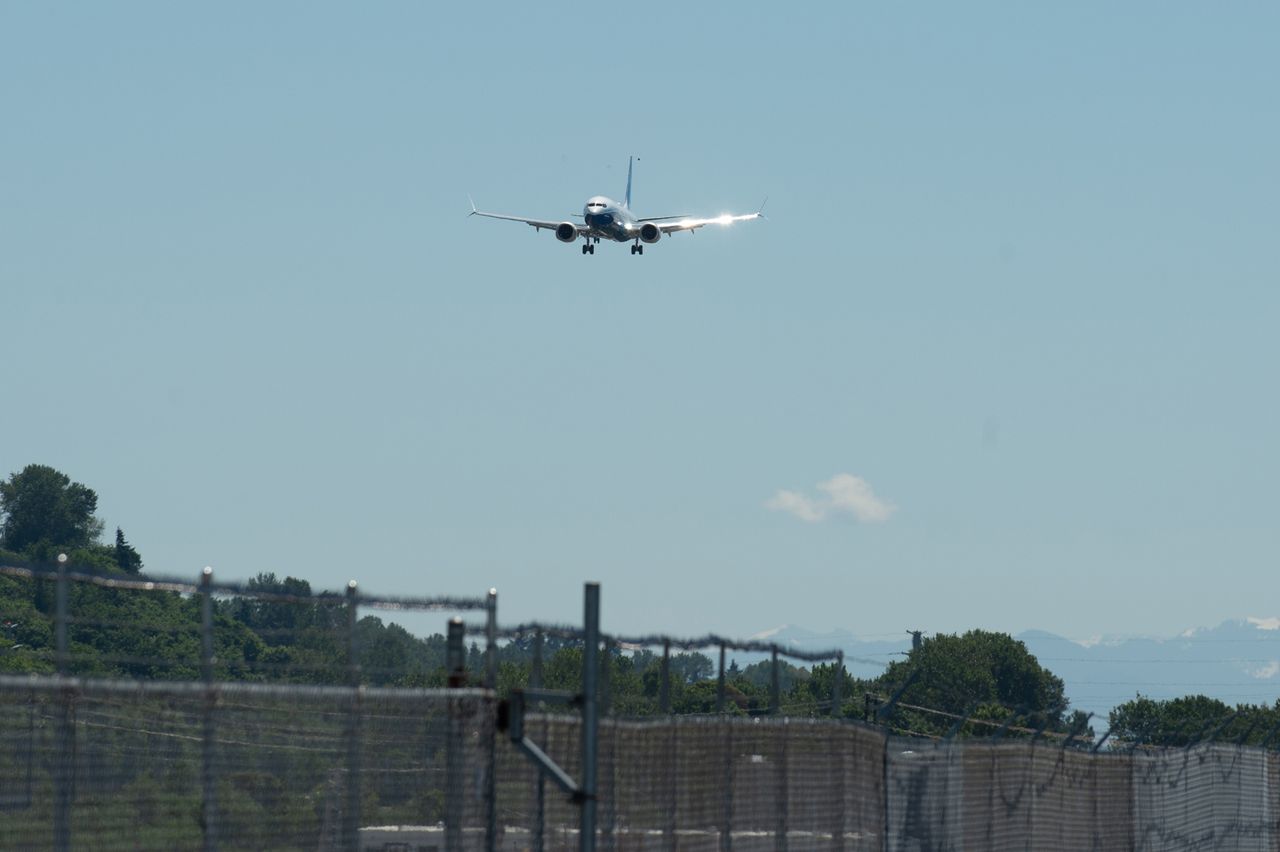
x=1237 y=662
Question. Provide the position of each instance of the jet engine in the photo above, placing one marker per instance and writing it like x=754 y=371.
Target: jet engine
x=650 y=233
x=566 y=232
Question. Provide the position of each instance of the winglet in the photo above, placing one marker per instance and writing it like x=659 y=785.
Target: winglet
x=627 y=201
x=760 y=211
x=474 y=211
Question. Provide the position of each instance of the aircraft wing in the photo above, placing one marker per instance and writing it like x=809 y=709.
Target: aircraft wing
x=689 y=224
x=539 y=224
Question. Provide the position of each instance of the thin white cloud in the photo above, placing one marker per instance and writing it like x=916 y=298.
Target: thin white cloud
x=797 y=504
x=842 y=494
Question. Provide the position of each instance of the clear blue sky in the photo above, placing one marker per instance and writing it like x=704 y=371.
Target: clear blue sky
x=1018 y=286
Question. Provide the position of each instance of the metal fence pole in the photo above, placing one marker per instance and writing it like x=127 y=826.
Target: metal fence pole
x=453 y=782
x=720 y=683
x=491 y=640
x=590 y=719
x=672 y=781
x=351 y=812
x=837 y=686
x=775 y=688
x=535 y=667
x=726 y=830
x=540 y=796
x=64 y=775
x=608 y=824
x=784 y=797
x=606 y=680
x=838 y=813
x=60 y=616
x=208 y=771
x=456 y=655
x=664 y=690
x=491 y=757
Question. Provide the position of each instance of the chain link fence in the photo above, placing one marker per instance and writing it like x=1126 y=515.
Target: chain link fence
x=192 y=753
x=714 y=783
x=320 y=768
x=243 y=766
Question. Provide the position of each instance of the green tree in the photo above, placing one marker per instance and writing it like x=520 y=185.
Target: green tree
x=1190 y=719
x=127 y=558
x=701 y=697
x=761 y=675
x=981 y=675
x=810 y=693
x=41 y=505
x=690 y=668
x=277 y=621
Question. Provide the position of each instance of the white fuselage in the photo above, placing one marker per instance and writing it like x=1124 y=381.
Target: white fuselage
x=609 y=219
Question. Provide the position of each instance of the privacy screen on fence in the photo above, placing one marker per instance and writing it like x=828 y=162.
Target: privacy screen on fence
x=135 y=761
x=164 y=766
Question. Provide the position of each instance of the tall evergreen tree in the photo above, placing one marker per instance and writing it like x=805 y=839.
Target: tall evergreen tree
x=129 y=560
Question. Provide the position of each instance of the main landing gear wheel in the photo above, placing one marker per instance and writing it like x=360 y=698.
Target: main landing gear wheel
x=587 y=248
x=637 y=249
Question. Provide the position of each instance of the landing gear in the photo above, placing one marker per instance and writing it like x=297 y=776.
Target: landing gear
x=637 y=248
x=588 y=248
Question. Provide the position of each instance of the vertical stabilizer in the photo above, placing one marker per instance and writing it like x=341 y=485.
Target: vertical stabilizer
x=627 y=199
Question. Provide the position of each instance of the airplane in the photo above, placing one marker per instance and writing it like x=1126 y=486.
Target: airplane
x=604 y=218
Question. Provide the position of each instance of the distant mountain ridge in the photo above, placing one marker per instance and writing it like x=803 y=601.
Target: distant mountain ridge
x=862 y=657
x=1237 y=662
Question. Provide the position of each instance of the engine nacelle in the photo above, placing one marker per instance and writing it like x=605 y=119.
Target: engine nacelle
x=566 y=232
x=650 y=233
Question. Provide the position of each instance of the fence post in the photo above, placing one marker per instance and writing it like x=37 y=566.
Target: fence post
x=491 y=640
x=837 y=685
x=453 y=782
x=64 y=775
x=540 y=800
x=606 y=680
x=208 y=771
x=726 y=830
x=841 y=737
x=351 y=812
x=673 y=750
x=664 y=691
x=672 y=782
x=784 y=796
x=775 y=688
x=60 y=616
x=590 y=718
x=491 y=757
x=607 y=820
x=720 y=683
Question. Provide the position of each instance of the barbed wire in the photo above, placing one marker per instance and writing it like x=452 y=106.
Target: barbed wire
x=712 y=640
x=46 y=683
x=657 y=640
x=233 y=589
